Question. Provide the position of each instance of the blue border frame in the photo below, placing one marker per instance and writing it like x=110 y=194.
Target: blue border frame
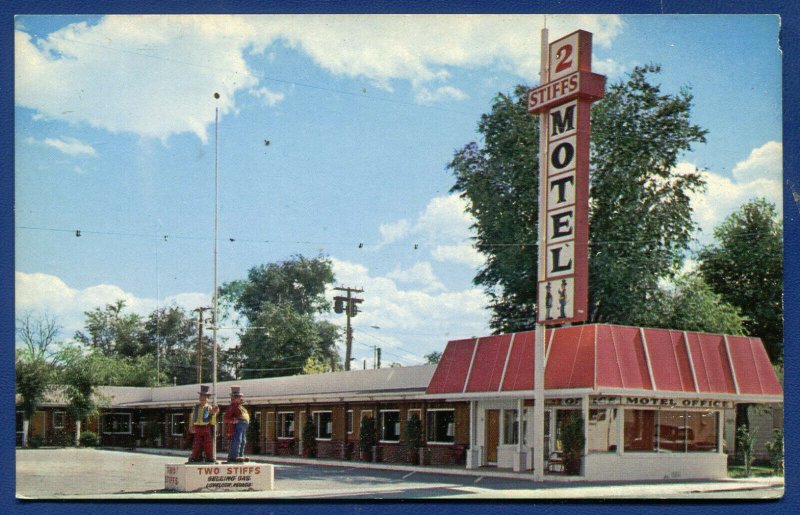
x=789 y=41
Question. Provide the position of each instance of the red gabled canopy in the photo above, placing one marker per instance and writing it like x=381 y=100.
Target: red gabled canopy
x=607 y=357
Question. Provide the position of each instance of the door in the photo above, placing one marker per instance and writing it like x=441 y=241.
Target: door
x=492 y=435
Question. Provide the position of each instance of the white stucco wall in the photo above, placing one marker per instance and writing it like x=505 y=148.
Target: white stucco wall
x=638 y=466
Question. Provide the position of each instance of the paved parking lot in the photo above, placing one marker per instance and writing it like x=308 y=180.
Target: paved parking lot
x=106 y=474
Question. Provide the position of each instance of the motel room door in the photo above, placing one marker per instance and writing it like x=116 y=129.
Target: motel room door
x=492 y=435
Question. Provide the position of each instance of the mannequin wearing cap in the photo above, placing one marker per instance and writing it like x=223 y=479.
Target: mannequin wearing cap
x=204 y=418
x=236 y=421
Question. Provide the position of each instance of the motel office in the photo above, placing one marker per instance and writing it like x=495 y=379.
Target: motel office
x=654 y=403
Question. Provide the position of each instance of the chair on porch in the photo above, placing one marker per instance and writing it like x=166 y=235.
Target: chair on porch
x=555 y=462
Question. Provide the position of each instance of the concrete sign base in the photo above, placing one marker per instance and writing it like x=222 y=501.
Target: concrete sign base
x=223 y=477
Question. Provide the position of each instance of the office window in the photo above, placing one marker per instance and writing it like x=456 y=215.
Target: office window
x=510 y=427
x=640 y=430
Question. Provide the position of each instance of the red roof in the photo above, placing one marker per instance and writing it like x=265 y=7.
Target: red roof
x=601 y=357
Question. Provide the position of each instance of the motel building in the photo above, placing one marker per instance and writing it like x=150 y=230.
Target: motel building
x=650 y=404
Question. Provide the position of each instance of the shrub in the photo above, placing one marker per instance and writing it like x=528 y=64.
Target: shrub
x=367 y=436
x=413 y=436
x=775 y=451
x=309 y=439
x=34 y=442
x=89 y=439
x=745 y=443
x=572 y=441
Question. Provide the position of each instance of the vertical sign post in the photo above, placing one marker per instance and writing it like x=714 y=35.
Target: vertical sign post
x=563 y=102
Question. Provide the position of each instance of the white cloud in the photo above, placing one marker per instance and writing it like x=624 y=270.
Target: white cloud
x=427 y=96
x=155 y=75
x=70 y=146
x=608 y=67
x=444 y=226
x=764 y=162
x=394 y=231
x=270 y=98
x=724 y=195
x=45 y=293
x=412 y=322
x=420 y=274
x=465 y=254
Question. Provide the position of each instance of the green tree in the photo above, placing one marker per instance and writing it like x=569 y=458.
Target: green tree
x=80 y=374
x=690 y=304
x=34 y=364
x=113 y=332
x=745 y=266
x=433 y=358
x=33 y=381
x=277 y=306
x=640 y=214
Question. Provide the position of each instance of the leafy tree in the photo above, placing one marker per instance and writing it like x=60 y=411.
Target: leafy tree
x=278 y=344
x=277 y=305
x=640 y=214
x=433 y=358
x=33 y=381
x=745 y=266
x=690 y=305
x=34 y=364
x=113 y=332
x=80 y=374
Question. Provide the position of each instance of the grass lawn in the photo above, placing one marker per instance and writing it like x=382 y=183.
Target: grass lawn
x=755 y=471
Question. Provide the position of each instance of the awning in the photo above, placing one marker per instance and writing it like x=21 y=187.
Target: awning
x=607 y=358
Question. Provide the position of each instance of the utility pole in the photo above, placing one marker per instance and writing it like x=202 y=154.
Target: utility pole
x=348 y=305
x=200 y=342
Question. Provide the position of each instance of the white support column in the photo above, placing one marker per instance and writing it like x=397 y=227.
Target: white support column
x=520 y=456
x=539 y=346
x=474 y=452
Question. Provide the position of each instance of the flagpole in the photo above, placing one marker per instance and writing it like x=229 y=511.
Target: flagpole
x=216 y=227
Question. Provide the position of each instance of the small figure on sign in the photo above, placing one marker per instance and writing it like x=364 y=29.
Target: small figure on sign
x=548 y=301
x=204 y=418
x=562 y=298
x=236 y=421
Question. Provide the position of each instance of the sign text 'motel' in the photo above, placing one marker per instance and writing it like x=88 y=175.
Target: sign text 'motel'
x=565 y=102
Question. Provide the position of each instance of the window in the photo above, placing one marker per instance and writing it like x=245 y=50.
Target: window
x=390 y=426
x=59 y=419
x=348 y=421
x=510 y=427
x=602 y=431
x=440 y=426
x=640 y=430
x=702 y=431
x=672 y=431
x=323 y=423
x=176 y=424
x=117 y=423
x=286 y=424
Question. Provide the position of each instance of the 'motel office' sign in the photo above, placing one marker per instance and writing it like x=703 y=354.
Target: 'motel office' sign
x=565 y=101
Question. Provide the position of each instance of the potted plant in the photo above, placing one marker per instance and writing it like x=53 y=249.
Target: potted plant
x=309 y=439
x=367 y=438
x=572 y=443
x=413 y=438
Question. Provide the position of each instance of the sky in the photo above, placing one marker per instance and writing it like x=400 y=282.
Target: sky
x=115 y=138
